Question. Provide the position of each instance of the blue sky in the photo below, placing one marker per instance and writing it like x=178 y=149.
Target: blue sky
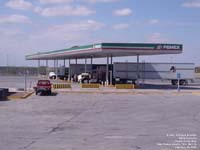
x=30 y=26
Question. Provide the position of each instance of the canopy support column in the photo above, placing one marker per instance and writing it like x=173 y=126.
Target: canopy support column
x=69 y=71
x=47 y=64
x=75 y=72
x=64 y=62
x=56 y=65
x=76 y=62
x=111 y=71
x=38 y=67
x=107 y=71
x=47 y=67
x=91 y=64
x=138 y=71
x=85 y=64
x=64 y=65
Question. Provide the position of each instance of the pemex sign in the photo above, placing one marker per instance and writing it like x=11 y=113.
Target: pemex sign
x=169 y=47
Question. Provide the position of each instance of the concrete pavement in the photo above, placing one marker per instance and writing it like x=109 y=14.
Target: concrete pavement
x=98 y=121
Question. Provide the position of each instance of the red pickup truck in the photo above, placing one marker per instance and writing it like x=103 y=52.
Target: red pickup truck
x=43 y=86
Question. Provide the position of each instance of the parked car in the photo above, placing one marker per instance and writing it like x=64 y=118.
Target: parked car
x=52 y=75
x=83 y=77
x=43 y=87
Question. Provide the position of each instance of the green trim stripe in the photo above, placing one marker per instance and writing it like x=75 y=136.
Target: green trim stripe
x=110 y=45
x=65 y=50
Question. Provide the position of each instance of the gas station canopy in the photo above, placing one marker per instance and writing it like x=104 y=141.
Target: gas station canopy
x=108 y=49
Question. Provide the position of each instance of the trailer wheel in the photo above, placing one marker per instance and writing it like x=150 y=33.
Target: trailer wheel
x=183 y=82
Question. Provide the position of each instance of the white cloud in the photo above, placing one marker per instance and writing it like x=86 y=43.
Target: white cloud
x=121 y=26
x=64 y=11
x=123 y=12
x=88 y=25
x=101 y=1
x=55 y=1
x=45 y=39
x=13 y=39
x=157 y=38
x=153 y=21
x=19 y=4
x=79 y=1
x=38 y=9
x=9 y=32
x=192 y=4
x=70 y=31
x=183 y=24
x=14 y=19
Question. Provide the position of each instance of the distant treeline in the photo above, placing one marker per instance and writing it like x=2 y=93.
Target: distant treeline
x=4 y=70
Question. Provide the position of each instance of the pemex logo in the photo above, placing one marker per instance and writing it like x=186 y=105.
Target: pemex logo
x=159 y=47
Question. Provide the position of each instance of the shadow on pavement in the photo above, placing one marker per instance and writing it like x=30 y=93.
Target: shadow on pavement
x=168 y=87
x=46 y=94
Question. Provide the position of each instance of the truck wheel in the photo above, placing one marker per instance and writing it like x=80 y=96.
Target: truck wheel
x=183 y=82
x=49 y=92
x=174 y=82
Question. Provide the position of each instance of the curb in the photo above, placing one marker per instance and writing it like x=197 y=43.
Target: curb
x=132 y=92
x=196 y=93
x=107 y=92
x=26 y=95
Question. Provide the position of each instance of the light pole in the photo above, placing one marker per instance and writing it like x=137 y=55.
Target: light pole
x=7 y=59
x=26 y=72
x=7 y=62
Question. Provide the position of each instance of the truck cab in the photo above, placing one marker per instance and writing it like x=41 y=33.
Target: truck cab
x=43 y=86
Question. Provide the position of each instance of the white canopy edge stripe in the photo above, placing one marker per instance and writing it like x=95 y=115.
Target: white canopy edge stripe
x=66 y=52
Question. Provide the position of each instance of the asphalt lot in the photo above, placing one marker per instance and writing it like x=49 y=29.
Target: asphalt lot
x=18 y=82
x=119 y=120
x=99 y=121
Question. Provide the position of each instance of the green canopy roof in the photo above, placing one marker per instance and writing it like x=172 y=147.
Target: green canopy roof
x=109 y=49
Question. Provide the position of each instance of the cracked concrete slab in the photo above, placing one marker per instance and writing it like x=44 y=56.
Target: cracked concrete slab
x=97 y=121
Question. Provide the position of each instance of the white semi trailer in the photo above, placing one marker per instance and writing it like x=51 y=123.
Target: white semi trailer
x=126 y=72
